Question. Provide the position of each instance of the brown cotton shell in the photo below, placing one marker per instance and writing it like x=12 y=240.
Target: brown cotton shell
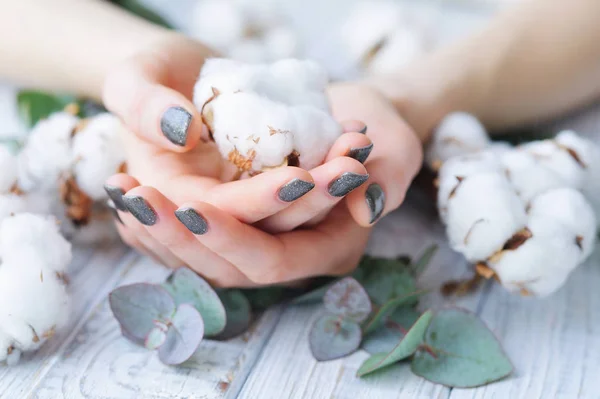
x=78 y=203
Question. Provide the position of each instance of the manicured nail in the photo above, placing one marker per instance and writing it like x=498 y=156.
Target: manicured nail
x=294 y=190
x=175 y=123
x=116 y=195
x=141 y=209
x=346 y=183
x=115 y=214
x=375 y=200
x=192 y=220
x=363 y=130
x=361 y=153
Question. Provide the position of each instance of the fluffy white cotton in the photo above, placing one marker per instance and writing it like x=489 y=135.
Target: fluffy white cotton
x=12 y=204
x=47 y=154
x=218 y=23
x=260 y=114
x=33 y=298
x=402 y=46
x=8 y=169
x=97 y=154
x=558 y=160
x=483 y=213
x=280 y=43
x=458 y=133
x=570 y=208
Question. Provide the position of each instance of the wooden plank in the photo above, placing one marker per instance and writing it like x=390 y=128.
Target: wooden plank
x=99 y=363
x=286 y=368
x=85 y=283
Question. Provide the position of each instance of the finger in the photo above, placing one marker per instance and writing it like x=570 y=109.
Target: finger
x=158 y=217
x=354 y=125
x=333 y=180
x=353 y=145
x=136 y=92
x=254 y=199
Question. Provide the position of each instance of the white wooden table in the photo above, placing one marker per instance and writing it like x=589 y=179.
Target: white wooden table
x=553 y=343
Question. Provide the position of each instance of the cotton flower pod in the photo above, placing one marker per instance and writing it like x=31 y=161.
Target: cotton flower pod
x=528 y=177
x=499 y=148
x=540 y=260
x=401 y=47
x=8 y=169
x=218 y=23
x=458 y=133
x=47 y=154
x=249 y=50
x=97 y=154
x=483 y=213
x=280 y=43
x=266 y=116
x=569 y=207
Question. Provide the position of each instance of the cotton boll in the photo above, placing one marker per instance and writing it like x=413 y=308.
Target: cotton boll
x=499 y=148
x=540 y=264
x=528 y=176
x=557 y=159
x=97 y=154
x=8 y=169
x=249 y=50
x=280 y=43
x=260 y=14
x=99 y=230
x=569 y=207
x=401 y=47
x=218 y=23
x=47 y=153
x=483 y=213
x=458 y=133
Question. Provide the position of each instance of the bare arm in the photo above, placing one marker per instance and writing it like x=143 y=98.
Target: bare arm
x=535 y=60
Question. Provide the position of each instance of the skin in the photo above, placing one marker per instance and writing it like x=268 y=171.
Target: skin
x=512 y=72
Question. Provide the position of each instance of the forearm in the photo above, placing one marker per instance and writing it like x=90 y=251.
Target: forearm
x=68 y=45
x=534 y=61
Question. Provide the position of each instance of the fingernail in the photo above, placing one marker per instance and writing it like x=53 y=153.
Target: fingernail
x=346 y=183
x=112 y=208
x=363 y=130
x=192 y=220
x=140 y=208
x=116 y=195
x=361 y=153
x=294 y=190
x=175 y=123
x=375 y=200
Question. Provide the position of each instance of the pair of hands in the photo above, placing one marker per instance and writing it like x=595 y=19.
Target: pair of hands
x=245 y=235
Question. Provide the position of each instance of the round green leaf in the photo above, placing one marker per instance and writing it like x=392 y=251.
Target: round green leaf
x=349 y=299
x=386 y=279
x=137 y=306
x=424 y=259
x=183 y=337
x=405 y=348
x=388 y=308
x=395 y=326
x=332 y=337
x=467 y=354
x=156 y=337
x=187 y=287
x=265 y=297
x=239 y=313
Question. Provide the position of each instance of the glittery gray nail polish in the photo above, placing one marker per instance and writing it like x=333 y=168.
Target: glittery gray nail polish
x=175 y=123
x=375 y=200
x=361 y=153
x=347 y=182
x=192 y=220
x=116 y=195
x=363 y=130
x=140 y=209
x=294 y=190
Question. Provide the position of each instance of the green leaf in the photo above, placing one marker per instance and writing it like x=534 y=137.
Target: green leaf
x=187 y=287
x=388 y=308
x=424 y=259
x=184 y=336
x=405 y=348
x=239 y=313
x=138 y=306
x=386 y=337
x=332 y=337
x=136 y=8
x=466 y=352
x=263 y=298
x=316 y=295
x=349 y=299
x=386 y=279
x=36 y=105
x=156 y=337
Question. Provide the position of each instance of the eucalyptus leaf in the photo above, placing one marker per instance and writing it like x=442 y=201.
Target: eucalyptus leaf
x=405 y=348
x=332 y=337
x=36 y=105
x=424 y=259
x=349 y=299
x=316 y=295
x=388 y=308
x=386 y=337
x=465 y=353
x=239 y=313
x=156 y=337
x=137 y=306
x=386 y=279
x=183 y=337
x=187 y=287
x=265 y=297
